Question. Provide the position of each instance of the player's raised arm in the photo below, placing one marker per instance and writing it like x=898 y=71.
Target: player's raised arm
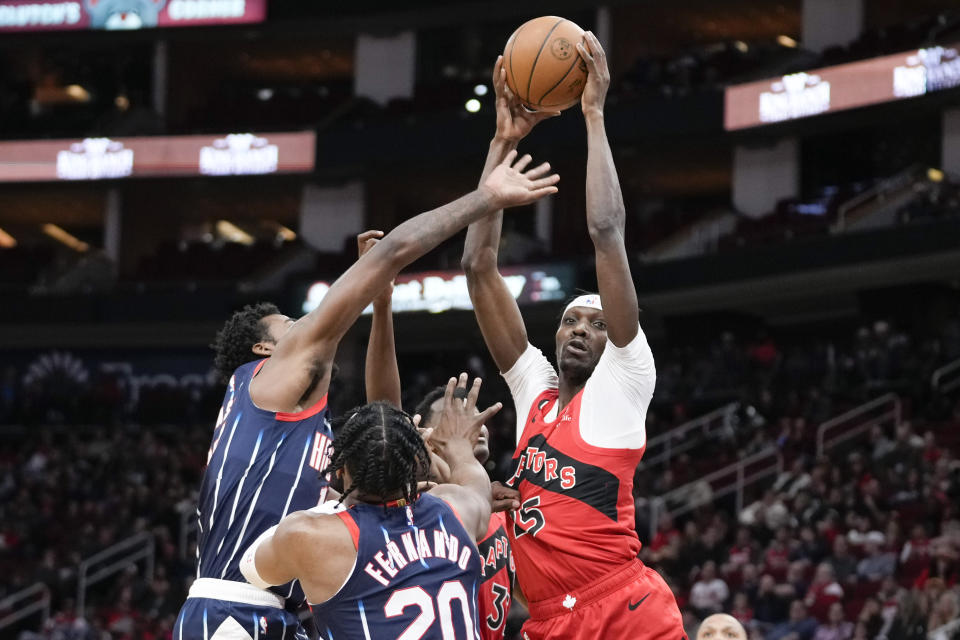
x=605 y=211
x=497 y=313
x=298 y=371
x=453 y=438
x=381 y=373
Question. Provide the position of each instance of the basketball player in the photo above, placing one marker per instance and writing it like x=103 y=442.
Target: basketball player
x=497 y=569
x=581 y=434
x=395 y=563
x=721 y=626
x=272 y=435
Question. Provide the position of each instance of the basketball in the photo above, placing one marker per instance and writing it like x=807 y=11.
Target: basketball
x=544 y=69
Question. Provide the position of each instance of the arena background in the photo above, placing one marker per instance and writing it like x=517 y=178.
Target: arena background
x=797 y=261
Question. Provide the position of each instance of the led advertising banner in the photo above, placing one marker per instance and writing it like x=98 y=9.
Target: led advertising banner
x=62 y=15
x=845 y=86
x=439 y=291
x=231 y=154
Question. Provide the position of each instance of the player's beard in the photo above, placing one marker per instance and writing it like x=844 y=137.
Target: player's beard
x=576 y=373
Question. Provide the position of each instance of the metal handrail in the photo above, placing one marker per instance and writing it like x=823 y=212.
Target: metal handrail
x=142 y=547
x=936 y=380
x=666 y=439
x=42 y=605
x=895 y=412
x=741 y=482
x=895 y=181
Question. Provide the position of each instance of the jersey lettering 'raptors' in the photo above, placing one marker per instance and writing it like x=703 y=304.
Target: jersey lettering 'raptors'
x=574 y=469
x=261 y=466
x=496 y=586
x=416 y=576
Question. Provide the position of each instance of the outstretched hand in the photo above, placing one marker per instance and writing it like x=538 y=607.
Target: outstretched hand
x=459 y=420
x=514 y=121
x=598 y=75
x=510 y=186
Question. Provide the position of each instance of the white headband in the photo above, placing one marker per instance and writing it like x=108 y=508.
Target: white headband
x=591 y=301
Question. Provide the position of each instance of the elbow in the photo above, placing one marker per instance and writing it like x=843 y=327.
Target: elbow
x=607 y=228
x=480 y=261
x=399 y=249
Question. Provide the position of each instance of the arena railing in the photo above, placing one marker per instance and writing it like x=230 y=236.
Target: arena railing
x=25 y=603
x=886 y=408
x=662 y=448
x=111 y=560
x=946 y=378
x=732 y=479
x=743 y=474
x=188 y=528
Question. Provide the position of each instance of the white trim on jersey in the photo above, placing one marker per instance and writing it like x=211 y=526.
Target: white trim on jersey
x=216 y=489
x=363 y=620
x=239 y=490
x=306 y=447
x=253 y=504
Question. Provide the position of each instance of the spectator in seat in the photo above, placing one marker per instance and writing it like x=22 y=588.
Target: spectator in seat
x=741 y=609
x=837 y=627
x=709 y=592
x=721 y=626
x=771 y=602
x=776 y=558
x=742 y=552
x=769 y=512
x=910 y=622
x=824 y=592
x=876 y=564
x=843 y=563
x=799 y=626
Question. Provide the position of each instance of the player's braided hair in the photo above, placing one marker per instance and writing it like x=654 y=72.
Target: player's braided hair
x=383 y=451
x=425 y=408
x=233 y=344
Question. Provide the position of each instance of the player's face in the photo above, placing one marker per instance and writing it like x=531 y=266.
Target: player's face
x=721 y=627
x=277 y=326
x=481 y=451
x=580 y=341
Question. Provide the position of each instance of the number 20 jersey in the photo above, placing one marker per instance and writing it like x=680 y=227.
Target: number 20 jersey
x=416 y=576
x=576 y=519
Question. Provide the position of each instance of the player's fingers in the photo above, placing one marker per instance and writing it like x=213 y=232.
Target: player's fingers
x=538 y=171
x=473 y=394
x=523 y=162
x=507 y=504
x=595 y=47
x=367 y=235
x=546 y=182
x=585 y=54
x=510 y=158
x=544 y=115
x=448 y=392
x=498 y=71
x=416 y=420
x=499 y=491
x=488 y=413
x=536 y=194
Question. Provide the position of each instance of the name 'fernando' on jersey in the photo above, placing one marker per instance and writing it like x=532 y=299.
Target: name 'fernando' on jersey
x=416 y=576
x=261 y=466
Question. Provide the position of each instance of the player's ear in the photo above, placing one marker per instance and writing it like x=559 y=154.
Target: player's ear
x=264 y=348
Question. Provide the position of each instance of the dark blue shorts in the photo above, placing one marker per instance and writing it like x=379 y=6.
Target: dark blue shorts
x=209 y=619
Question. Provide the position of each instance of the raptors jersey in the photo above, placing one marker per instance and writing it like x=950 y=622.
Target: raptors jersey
x=498 y=572
x=416 y=576
x=576 y=517
x=262 y=465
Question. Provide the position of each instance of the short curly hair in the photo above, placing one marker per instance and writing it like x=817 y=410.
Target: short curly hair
x=233 y=345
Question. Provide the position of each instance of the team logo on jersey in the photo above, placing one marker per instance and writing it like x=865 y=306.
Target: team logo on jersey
x=569 y=602
x=320 y=456
x=541 y=464
x=495 y=553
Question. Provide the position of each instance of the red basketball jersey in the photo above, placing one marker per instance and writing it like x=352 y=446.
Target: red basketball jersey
x=496 y=586
x=575 y=523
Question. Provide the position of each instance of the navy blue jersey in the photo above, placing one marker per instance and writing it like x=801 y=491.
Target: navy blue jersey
x=262 y=465
x=416 y=576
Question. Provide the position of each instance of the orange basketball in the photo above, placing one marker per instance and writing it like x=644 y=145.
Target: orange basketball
x=544 y=69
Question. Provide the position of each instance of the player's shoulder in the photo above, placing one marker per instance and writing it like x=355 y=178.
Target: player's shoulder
x=306 y=527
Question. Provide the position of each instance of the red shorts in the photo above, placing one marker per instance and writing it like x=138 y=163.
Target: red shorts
x=631 y=602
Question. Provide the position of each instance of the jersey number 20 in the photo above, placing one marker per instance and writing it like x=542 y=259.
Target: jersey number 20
x=417 y=597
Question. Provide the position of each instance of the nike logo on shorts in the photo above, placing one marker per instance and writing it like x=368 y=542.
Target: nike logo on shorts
x=634 y=605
